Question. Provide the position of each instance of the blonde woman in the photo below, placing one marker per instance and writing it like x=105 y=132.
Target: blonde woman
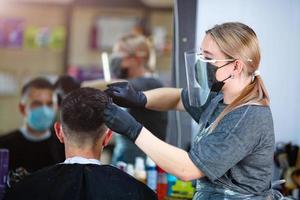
x=232 y=155
x=134 y=59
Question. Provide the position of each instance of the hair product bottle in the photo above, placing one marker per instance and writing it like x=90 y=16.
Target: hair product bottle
x=139 y=171
x=151 y=174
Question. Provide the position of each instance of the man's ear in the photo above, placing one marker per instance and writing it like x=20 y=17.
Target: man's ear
x=107 y=137
x=59 y=132
x=22 y=109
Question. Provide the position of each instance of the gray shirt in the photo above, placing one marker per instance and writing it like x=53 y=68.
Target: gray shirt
x=238 y=154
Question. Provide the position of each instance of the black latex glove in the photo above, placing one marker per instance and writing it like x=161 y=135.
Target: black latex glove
x=125 y=95
x=121 y=122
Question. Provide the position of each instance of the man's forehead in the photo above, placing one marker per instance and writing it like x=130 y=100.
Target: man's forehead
x=40 y=93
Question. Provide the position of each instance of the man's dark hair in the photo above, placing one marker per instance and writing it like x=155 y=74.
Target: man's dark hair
x=82 y=113
x=38 y=83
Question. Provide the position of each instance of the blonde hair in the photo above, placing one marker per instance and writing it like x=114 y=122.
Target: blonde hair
x=239 y=41
x=138 y=45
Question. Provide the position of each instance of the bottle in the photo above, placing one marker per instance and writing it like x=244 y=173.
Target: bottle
x=171 y=181
x=151 y=174
x=162 y=184
x=139 y=169
x=121 y=166
x=130 y=169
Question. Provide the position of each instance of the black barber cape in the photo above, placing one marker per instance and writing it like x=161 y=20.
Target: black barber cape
x=80 y=182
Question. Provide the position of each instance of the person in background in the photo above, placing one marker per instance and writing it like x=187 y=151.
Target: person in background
x=81 y=175
x=64 y=85
x=134 y=59
x=33 y=146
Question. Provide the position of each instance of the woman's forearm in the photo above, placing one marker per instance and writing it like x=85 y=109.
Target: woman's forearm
x=163 y=99
x=172 y=159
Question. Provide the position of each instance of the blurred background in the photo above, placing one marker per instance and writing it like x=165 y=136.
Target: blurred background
x=54 y=37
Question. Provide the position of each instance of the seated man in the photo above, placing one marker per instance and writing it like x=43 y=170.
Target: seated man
x=81 y=176
x=33 y=146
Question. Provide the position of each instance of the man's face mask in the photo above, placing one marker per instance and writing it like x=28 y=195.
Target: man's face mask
x=201 y=77
x=40 y=118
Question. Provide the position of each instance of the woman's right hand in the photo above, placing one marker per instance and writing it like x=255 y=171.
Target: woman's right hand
x=121 y=122
x=123 y=94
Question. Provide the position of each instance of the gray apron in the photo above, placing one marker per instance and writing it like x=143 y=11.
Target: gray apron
x=205 y=189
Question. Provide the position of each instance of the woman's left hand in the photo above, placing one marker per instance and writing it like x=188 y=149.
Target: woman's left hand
x=121 y=122
x=123 y=94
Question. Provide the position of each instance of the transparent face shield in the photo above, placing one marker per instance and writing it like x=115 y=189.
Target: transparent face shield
x=201 y=76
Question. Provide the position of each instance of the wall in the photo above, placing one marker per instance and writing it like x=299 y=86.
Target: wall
x=26 y=63
x=83 y=18
x=163 y=19
x=82 y=21
x=277 y=24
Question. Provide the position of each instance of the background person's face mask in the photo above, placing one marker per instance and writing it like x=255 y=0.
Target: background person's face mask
x=117 y=70
x=120 y=69
x=40 y=118
x=201 y=77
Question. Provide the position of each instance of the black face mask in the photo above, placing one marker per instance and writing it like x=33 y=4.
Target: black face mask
x=215 y=85
x=123 y=73
x=117 y=70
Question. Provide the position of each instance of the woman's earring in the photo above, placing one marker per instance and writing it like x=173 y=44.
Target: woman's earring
x=232 y=76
